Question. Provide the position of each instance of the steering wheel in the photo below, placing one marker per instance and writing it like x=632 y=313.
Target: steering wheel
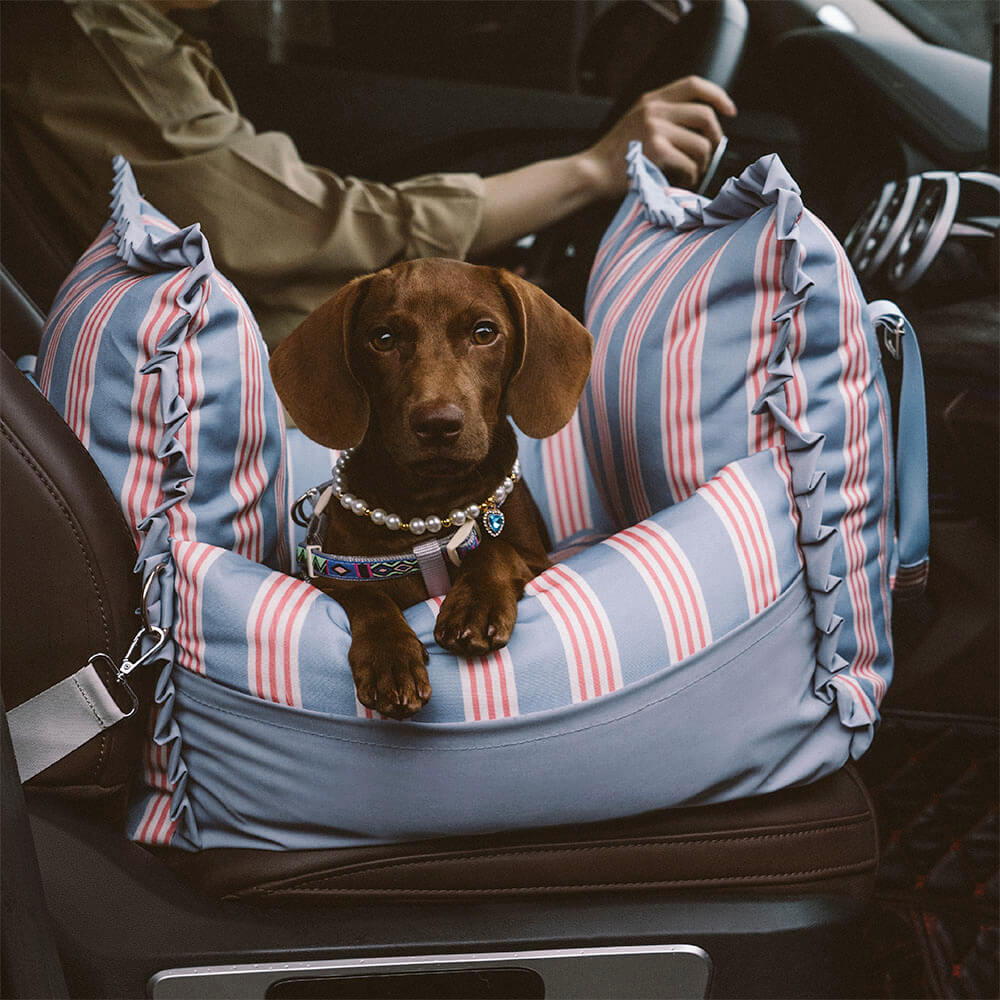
x=665 y=39
x=638 y=45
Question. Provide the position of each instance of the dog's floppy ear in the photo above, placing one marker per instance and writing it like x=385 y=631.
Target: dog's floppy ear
x=312 y=373
x=546 y=384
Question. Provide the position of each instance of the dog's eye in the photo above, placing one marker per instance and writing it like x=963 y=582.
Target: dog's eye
x=484 y=333
x=382 y=339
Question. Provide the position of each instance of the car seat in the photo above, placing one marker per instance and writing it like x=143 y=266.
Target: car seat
x=759 y=897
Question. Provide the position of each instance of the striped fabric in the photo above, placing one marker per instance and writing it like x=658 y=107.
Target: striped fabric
x=156 y=362
x=610 y=616
x=731 y=637
x=726 y=327
x=559 y=477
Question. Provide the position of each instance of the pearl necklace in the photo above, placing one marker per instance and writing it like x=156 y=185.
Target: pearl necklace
x=489 y=509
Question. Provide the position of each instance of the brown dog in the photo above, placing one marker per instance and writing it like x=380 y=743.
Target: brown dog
x=416 y=368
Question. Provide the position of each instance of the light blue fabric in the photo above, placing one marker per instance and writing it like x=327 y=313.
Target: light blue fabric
x=732 y=721
x=728 y=325
x=155 y=361
x=653 y=602
x=913 y=527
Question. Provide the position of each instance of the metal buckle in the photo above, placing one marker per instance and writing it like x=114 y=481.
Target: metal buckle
x=120 y=680
x=298 y=513
x=129 y=664
x=310 y=549
x=135 y=657
x=893 y=331
x=319 y=496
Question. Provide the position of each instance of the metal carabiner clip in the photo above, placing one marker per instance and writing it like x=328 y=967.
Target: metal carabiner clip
x=135 y=657
x=128 y=663
x=146 y=587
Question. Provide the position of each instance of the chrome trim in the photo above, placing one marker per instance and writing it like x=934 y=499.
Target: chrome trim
x=635 y=972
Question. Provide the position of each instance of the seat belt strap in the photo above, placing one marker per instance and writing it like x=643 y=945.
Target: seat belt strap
x=61 y=718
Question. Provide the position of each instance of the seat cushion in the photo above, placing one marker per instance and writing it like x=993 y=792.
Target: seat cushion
x=819 y=837
x=726 y=326
x=678 y=660
x=155 y=361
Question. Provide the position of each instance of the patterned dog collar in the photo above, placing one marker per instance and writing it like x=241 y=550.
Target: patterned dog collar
x=427 y=558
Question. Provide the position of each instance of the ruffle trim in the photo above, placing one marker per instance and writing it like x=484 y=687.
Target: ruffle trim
x=146 y=248
x=767 y=184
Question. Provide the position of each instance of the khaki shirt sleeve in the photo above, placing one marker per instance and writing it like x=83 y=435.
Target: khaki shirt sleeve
x=287 y=233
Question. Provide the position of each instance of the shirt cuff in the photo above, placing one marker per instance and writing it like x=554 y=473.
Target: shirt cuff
x=445 y=212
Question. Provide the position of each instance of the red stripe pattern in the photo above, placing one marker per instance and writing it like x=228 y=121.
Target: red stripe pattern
x=627 y=371
x=79 y=286
x=762 y=432
x=852 y=385
x=586 y=634
x=566 y=480
x=273 y=634
x=249 y=477
x=489 y=689
x=193 y=560
x=155 y=825
x=680 y=424
x=671 y=582
x=744 y=518
x=141 y=488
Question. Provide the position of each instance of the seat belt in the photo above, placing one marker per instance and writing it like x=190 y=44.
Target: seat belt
x=63 y=717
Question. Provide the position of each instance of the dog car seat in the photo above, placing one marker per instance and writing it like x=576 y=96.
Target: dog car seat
x=258 y=742
x=664 y=877
x=807 y=843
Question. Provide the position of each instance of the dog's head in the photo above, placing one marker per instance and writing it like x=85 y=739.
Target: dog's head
x=428 y=356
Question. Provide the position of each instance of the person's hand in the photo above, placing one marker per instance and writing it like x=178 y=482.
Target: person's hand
x=678 y=128
x=679 y=131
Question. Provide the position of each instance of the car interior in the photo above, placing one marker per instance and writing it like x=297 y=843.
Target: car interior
x=878 y=881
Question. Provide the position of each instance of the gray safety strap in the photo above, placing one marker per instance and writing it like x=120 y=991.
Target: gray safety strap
x=61 y=718
x=46 y=728
x=433 y=567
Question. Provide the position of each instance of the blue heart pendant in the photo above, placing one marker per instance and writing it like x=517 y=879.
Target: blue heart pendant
x=493 y=521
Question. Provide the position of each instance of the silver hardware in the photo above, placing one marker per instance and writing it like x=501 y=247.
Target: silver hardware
x=310 y=549
x=892 y=336
x=128 y=663
x=120 y=679
x=633 y=971
x=298 y=513
x=146 y=587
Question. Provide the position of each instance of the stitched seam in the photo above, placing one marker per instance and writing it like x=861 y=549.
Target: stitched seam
x=217 y=710
x=46 y=483
x=579 y=849
x=90 y=704
x=856 y=866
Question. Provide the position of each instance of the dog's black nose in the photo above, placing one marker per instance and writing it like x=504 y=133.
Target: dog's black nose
x=435 y=423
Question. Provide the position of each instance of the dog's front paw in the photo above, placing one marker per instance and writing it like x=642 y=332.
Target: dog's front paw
x=472 y=623
x=390 y=674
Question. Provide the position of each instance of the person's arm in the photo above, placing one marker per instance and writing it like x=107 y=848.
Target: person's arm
x=677 y=126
